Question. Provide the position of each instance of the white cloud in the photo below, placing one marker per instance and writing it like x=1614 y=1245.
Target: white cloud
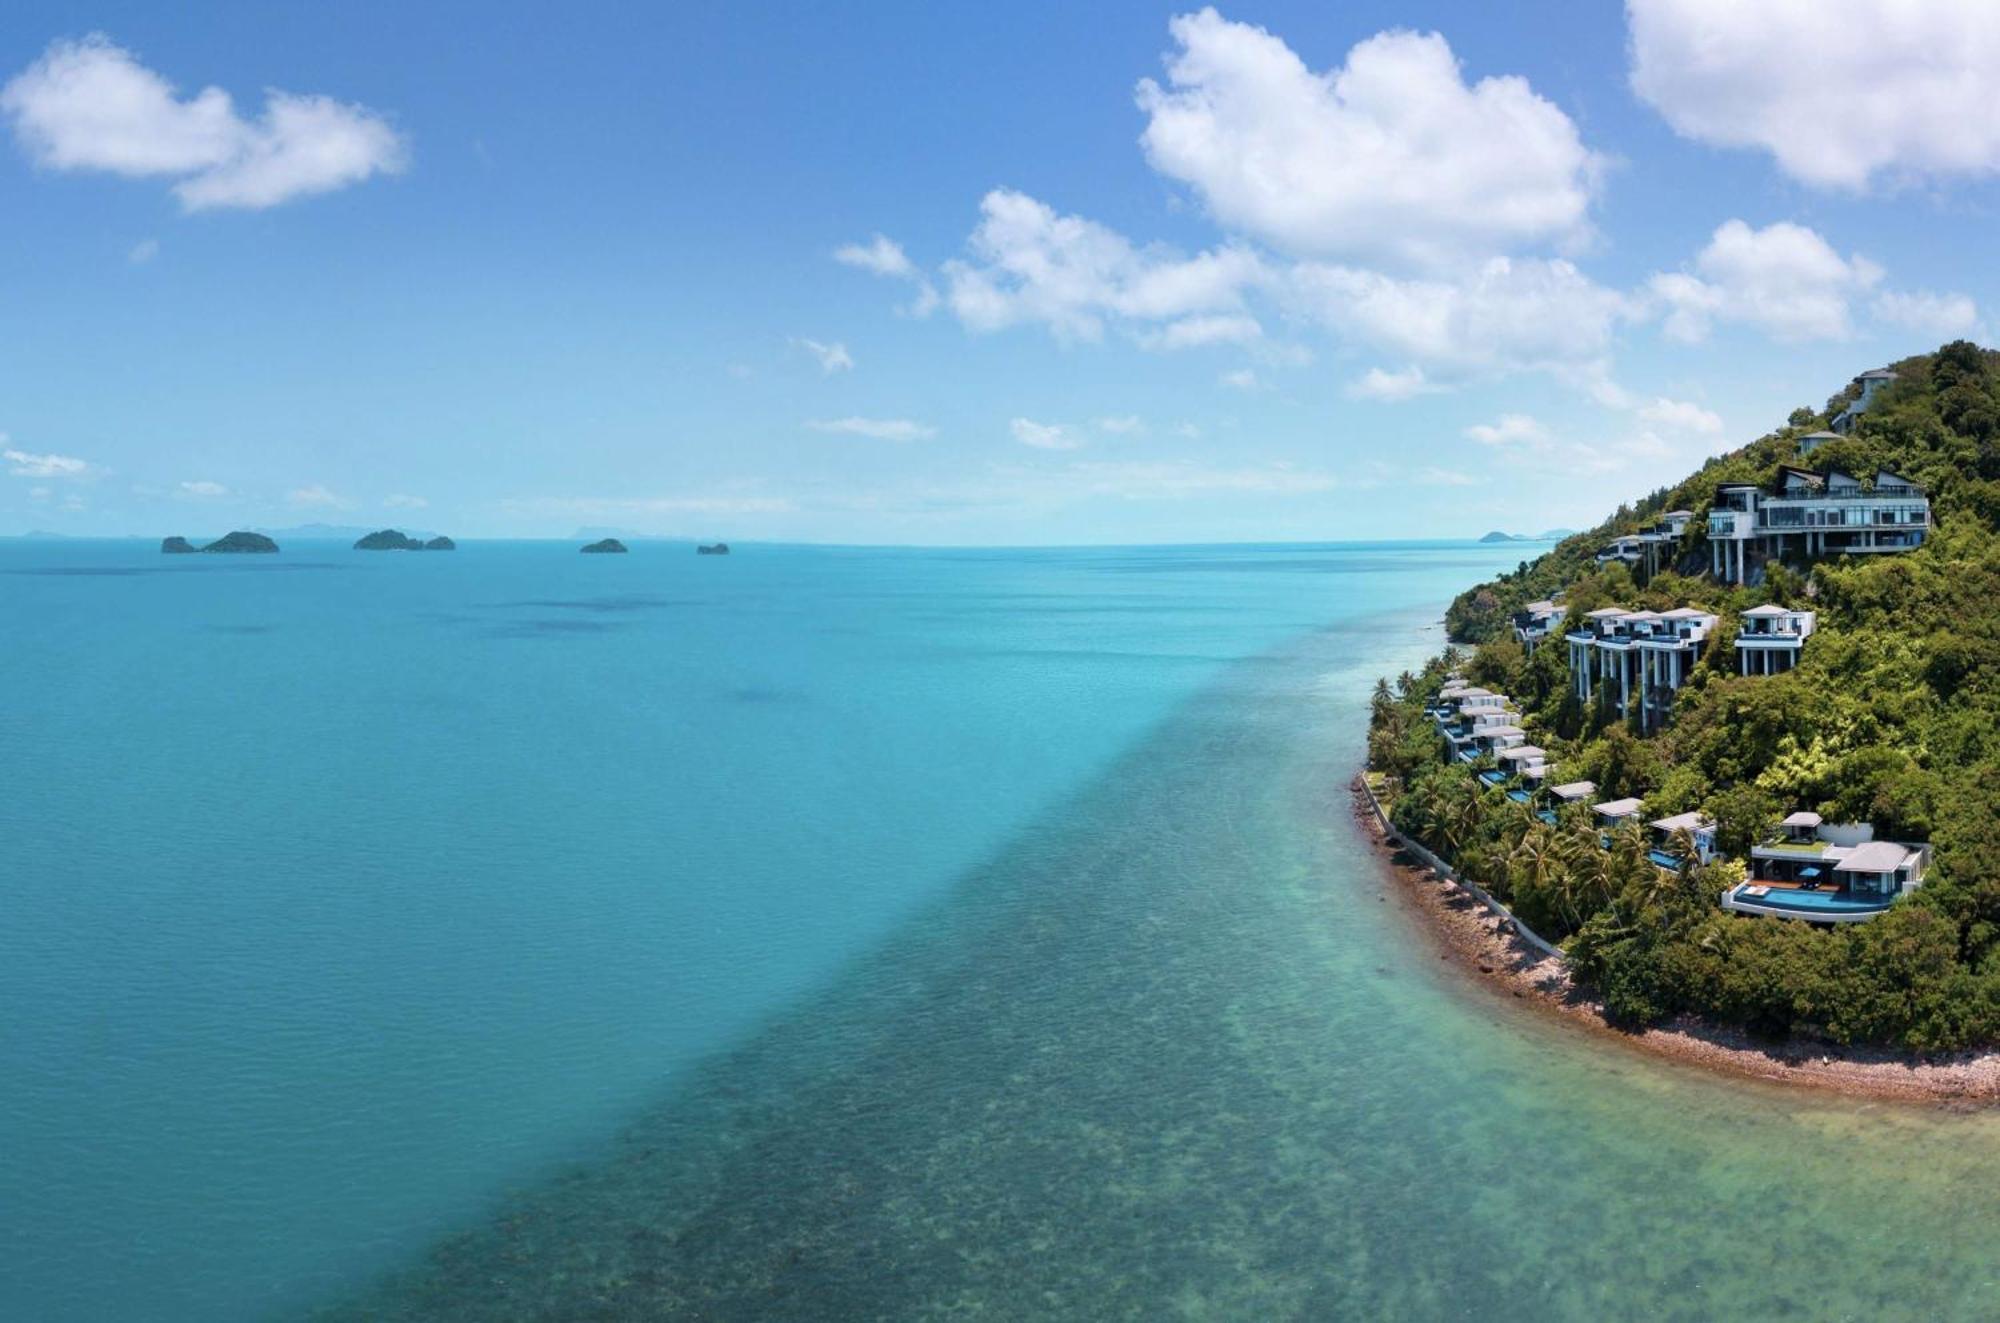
x=315 y=497
x=1170 y=480
x=1942 y=315
x=1681 y=415
x=1783 y=279
x=1044 y=436
x=1126 y=425
x=832 y=357
x=880 y=429
x=25 y=465
x=202 y=489
x=1507 y=315
x=1241 y=379
x=1030 y=265
x=1512 y=428
x=89 y=105
x=883 y=256
x=1392 y=387
x=404 y=501
x=1392 y=154
x=143 y=252
x=1837 y=93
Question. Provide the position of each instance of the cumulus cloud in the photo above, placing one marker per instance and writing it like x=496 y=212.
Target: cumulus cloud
x=1944 y=316
x=879 y=429
x=1837 y=94
x=883 y=256
x=1784 y=279
x=203 y=489
x=1392 y=387
x=1511 y=428
x=315 y=497
x=1030 y=265
x=1044 y=436
x=832 y=357
x=1391 y=155
x=23 y=464
x=1681 y=415
x=1509 y=314
x=90 y=105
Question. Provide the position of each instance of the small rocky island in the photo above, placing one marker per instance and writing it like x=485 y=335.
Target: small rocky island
x=604 y=545
x=389 y=539
x=235 y=542
x=715 y=549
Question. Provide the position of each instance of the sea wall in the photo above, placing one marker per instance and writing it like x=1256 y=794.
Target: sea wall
x=1442 y=869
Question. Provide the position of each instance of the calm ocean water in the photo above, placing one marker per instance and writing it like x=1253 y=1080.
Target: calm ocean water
x=820 y=934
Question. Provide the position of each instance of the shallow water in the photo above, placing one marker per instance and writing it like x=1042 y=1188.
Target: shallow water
x=861 y=934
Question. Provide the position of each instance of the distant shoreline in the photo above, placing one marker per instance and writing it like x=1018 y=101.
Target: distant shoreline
x=1467 y=934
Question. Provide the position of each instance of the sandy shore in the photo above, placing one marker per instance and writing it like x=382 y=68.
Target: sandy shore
x=1475 y=939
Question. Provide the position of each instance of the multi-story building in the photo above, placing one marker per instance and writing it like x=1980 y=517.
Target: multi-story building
x=1827 y=873
x=1624 y=549
x=1657 y=541
x=1809 y=514
x=1871 y=384
x=1536 y=621
x=1769 y=639
x=1647 y=655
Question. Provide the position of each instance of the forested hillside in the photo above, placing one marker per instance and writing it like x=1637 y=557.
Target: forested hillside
x=1892 y=717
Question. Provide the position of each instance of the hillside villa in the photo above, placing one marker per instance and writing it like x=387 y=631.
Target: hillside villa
x=1647 y=655
x=1806 y=514
x=1769 y=639
x=1871 y=384
x=1827 y=873
x=1536 y=621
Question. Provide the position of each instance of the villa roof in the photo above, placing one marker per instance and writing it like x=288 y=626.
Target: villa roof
x=1894 y=477
x=1873 y=857
x=1574 y=790
x=1678 y=514
x=1877 y=374
x=1524 y=751
x=1540 y=608
x=1769 y=609
x=1687 y=613
x=1616 y=808
x=1802 y=819
x=1820 y=436
x=1684 y=822
x=1501 y=730
x=1474 y=691
x=1534 y=771
x=1605 y=613
x=1737 y=486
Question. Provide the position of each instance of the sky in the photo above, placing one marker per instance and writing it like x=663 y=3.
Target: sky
x=946 y=274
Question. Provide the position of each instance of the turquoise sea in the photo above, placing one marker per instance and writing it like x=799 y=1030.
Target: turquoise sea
x=822 y=934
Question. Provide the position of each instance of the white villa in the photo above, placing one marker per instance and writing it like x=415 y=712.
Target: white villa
x=1827 y=873
x=1870 y=383
x=1813 y=514
x=1648 y=655
x=1620 y=548
x=1812 y=441
x=1536 y=621
x=1657 y=541
x=1616 y=812
x=1770 y=638
x=1697 y=825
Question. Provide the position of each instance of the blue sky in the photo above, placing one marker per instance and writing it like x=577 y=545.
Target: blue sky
x=1337 y=271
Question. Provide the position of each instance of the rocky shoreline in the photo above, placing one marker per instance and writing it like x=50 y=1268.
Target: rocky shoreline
x=1488 y=950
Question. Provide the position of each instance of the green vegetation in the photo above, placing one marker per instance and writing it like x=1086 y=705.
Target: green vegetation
x=1893 y=716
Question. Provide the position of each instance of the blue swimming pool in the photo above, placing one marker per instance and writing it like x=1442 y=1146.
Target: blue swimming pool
x=1493 y=778
x=1817 y=902
x=1519 y=796
x=1664 y=860
x=1547 y=815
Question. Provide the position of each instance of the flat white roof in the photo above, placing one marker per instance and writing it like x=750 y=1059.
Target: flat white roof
x=1491 y=731
x=1683 y=822
x=1687 y=613
x=1605 y=612
x=1770 y=609
x=1524 y=751
x=1574 y=790
x=1874 y=857
x=1616 y=808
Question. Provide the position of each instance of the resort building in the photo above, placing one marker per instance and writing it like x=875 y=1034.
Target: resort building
x=1616 y=812
x=1624 y=549
x=1562 y=796
x=1807 y=514
x=1701 y=828
x=1827 y=873
x=1521 y=759
x=1536 y=621
x=1644 y=657
x=1871 y=384
x=1769 y=639
x=1657 y=542
x=1812 y=441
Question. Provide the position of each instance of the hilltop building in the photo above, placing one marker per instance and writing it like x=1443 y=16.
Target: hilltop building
x=1813 y=514
x=1647 y=655
x=1871 y=384
x=1536 y=621
x=1827 y=873
x=1770 y=638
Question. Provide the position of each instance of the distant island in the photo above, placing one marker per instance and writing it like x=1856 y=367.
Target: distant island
x=388 y=539
x=604 y=545
x=1553 y=535
x=234 y=542
x=714 y=549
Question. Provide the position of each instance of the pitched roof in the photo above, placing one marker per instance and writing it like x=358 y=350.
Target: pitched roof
x=1873 y=857
x=1802 y=819
x=1684 y=822
x=1768 y=609
x=1605 y=613
x=1687 y=613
